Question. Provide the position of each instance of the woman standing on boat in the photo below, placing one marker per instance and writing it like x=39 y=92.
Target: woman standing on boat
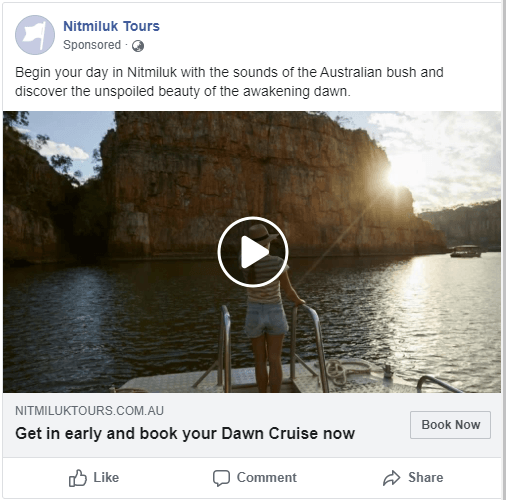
x=266 y=323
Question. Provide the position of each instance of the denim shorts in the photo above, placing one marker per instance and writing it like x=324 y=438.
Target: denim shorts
x=265 y=318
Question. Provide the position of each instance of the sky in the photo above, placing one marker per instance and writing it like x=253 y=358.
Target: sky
x=72 y=133
x=444 y=158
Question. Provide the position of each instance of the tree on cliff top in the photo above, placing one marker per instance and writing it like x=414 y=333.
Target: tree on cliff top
x=14 y=119
x=64 y=165
x=97 y=162
x=61 y=163
x=342 y=121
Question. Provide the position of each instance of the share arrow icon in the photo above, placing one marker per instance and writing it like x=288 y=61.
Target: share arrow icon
x=391 y=478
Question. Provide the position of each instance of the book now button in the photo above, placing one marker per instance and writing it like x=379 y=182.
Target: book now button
x=450 y=424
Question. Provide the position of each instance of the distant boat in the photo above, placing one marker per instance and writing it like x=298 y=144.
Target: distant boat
x=466 y=251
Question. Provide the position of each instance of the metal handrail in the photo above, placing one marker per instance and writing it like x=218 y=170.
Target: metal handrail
x=319 y=346
x=430 y=378
x=224 y=354
x=225 y=329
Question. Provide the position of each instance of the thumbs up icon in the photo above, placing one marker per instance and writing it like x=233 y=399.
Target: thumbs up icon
x=78 y=480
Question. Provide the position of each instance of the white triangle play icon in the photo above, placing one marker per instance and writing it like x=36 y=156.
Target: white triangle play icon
x=251 y=252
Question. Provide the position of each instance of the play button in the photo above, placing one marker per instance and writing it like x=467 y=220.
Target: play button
x=238 y=252
x=251 y=252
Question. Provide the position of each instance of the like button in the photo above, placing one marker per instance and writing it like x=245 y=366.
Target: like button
x=78 y=480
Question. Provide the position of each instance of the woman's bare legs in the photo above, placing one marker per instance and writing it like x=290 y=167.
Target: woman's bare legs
x=274 y=347
x=260 y=351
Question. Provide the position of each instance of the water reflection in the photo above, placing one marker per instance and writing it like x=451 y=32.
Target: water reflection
x=84 y=328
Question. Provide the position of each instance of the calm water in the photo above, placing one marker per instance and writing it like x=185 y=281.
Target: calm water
x=80 y=329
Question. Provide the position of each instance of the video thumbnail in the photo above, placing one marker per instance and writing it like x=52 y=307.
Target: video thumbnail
x=304 y=252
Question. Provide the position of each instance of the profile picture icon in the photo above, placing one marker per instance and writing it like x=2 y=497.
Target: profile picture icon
x=35 y=35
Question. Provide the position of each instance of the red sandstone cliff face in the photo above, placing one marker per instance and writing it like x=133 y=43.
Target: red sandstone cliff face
x=31 y=188
x=176 y=180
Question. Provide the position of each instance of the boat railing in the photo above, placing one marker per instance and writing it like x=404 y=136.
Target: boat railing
x=224 y=361
x=430 y=378
x=319 y=347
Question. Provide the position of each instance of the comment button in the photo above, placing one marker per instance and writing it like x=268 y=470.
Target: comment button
x=221 y=477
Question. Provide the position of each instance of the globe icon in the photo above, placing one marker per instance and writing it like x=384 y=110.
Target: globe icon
x=138 y=46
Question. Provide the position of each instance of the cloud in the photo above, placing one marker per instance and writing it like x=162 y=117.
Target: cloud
x=22 y=130
x=55 y=148
x=449 y=157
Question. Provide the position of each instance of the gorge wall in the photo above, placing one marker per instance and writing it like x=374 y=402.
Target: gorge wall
x=477 y=225
x=176 y=180
x=32 y=189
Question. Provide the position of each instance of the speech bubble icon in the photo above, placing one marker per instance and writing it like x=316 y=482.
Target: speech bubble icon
x=221 y=477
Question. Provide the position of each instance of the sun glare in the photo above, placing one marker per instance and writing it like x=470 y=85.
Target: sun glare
x=408 y=171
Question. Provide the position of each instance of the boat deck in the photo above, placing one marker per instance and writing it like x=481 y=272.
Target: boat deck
x=243 y=380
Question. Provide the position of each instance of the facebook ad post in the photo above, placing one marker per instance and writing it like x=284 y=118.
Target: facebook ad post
x=212 y=291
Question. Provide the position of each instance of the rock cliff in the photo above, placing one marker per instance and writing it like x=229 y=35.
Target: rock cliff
x=477 y=225
x=176 y=180
x=32 y=189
